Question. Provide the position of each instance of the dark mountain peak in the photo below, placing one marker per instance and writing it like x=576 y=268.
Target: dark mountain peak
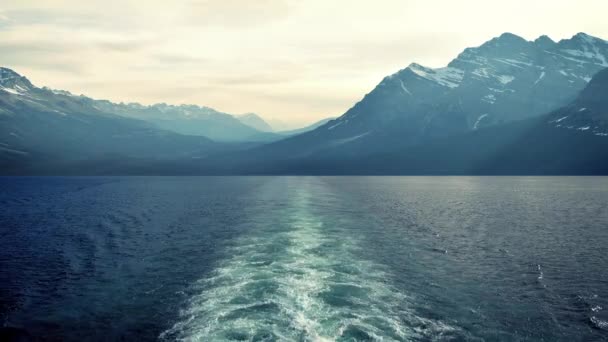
x=12 y=82
x=544 y=42
x=582 y=36
x=59 y=92
x=595 y=92
x=510 y=37
x=506 y=45
x=588 y=112
x=600 y=78
x=584 y=48
x=418 y=67
x=581 y=40
x=505 y=40
x=7 y=73
x=249 y=115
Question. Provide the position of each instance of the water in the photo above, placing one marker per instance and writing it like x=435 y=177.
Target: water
x=305 y=258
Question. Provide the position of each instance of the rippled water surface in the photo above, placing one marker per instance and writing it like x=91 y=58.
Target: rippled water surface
x=304 y=258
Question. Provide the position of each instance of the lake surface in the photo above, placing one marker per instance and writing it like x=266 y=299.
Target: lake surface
x=305 y=258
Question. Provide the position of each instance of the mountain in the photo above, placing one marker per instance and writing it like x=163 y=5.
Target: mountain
x=183 y=119
x=503 y=80
x=509 y=106
x=255 y=121
x=572 y=140
x=279 y=125
x=269 y=137
x=589 y=112
x=187 y=119
x=306 y=128
x=41 y=126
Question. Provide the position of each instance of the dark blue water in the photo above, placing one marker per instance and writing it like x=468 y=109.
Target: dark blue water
x=305 y=258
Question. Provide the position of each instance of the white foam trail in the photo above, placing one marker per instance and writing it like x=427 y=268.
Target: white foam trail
x=299 y=283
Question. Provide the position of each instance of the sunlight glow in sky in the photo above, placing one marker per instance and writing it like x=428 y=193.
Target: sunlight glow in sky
x=292 y=60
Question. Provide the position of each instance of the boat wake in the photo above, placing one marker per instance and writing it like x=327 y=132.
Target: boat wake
x=299 y=279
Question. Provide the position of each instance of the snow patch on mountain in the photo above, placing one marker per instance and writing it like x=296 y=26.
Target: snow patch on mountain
x=489 y=99
x=11 y=90
x=560 y=119
x=350 y=139
x=481 y=117
x=482 y=72
x=337 y=124
x=405 y=90
x=505 y=79
x=514 y=62
x=447 y=77
x=542 y=75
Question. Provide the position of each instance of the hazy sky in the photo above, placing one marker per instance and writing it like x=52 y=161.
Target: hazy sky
x=294 y=60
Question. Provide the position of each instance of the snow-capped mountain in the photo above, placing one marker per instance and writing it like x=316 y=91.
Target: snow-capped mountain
x=13 y=83
x=505 y=79
x=571 y=140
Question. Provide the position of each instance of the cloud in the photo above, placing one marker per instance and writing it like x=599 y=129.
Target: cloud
x=51 y=17
x=5 y=21
x=173 y=59
x=236 y=13
x=128 y=45
x=253 y=79
x=395 y=51
x=41 y=55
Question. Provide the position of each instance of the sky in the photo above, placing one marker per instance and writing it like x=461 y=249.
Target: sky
x=293 y=61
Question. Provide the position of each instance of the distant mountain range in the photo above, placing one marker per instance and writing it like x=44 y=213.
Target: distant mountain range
x=42 y=127
x=509 y=106
x=53 y=128
x=185 y=119
x=194 y=120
